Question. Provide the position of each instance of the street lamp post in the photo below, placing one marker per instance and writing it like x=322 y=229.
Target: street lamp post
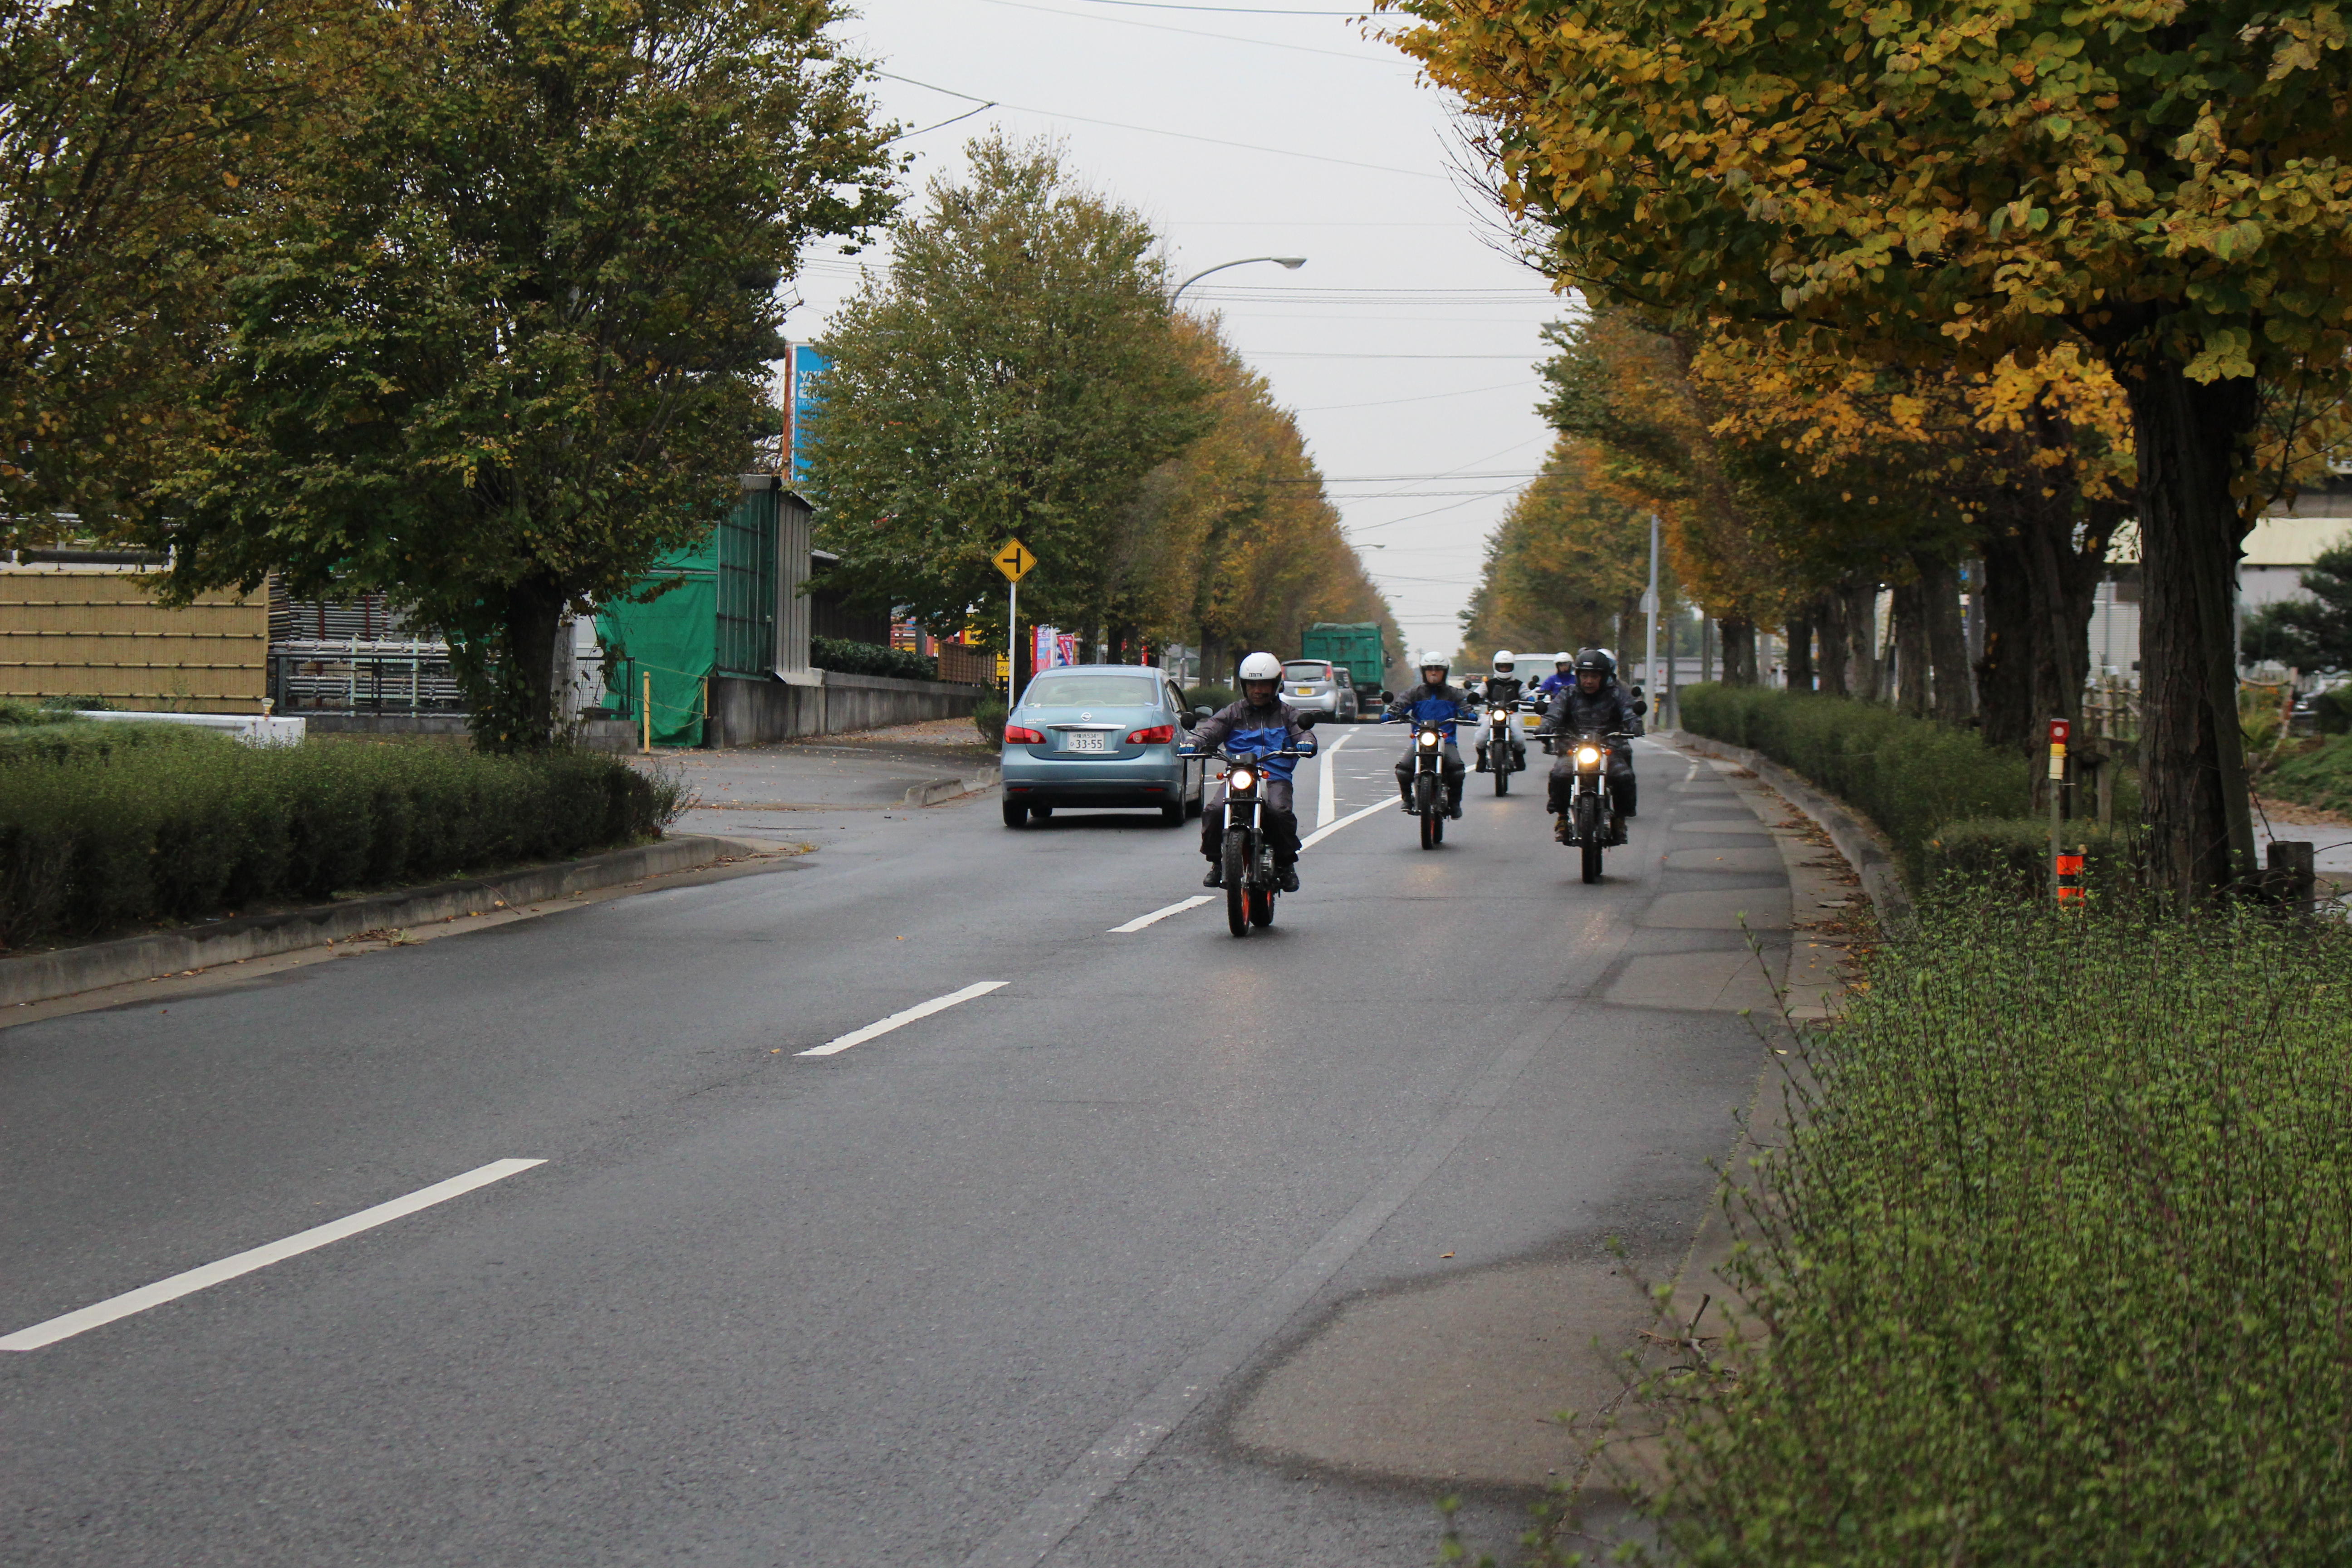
x=1293 y=262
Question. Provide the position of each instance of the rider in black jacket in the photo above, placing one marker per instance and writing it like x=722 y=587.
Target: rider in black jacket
x=1595 y=704
x=1503 y=689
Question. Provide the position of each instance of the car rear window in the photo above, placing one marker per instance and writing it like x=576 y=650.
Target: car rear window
x=1304 y=671
x=1092 y=691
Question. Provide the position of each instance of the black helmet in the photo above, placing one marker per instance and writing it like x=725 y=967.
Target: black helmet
x=1597 y=660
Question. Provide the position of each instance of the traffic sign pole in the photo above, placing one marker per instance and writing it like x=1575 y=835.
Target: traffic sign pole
x=1014 y=561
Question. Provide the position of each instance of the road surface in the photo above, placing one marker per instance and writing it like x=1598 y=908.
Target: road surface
x=1145 y=1245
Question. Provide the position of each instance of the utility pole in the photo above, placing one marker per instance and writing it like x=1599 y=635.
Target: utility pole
x=1650 y=608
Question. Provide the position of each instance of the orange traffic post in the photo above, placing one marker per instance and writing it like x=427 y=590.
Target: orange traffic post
x=2065 y=881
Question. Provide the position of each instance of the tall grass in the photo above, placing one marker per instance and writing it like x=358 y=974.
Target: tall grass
x=92 y=843
x=2051 y=1266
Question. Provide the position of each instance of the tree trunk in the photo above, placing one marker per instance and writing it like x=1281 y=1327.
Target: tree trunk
x=1911 y=675
x=2189 y=439
x=1798 y=631
x=1861 y=638
x=1739 y=650
x=1947 y=647
x=2005 y=673
x=510 y=684
x=1830 y=616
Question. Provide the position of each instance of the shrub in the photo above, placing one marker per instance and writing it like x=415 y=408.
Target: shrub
x=88 y=740
x=2321 y=776
x=988 y=718
x=2012 y=854
x=870 y=658
x=1218 y=698
x=2332 y=710
x=1908 y=775
x=150 y=833
x=2051 y=1260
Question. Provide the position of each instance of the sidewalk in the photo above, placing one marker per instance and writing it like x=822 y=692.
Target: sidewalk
x=785 y=789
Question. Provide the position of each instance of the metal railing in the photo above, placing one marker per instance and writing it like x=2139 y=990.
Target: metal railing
x=364 y=677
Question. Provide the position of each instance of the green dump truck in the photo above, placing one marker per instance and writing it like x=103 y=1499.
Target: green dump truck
x=1357 y=646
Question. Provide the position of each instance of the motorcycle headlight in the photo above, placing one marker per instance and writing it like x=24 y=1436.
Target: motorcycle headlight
x=1241 y=779
x=1428 y=737
x=1587 y=756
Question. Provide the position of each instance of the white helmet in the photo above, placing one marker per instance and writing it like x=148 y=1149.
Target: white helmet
x=1502 y=661
x=1563 y=659
x=1432 y=660
x=1262 y=667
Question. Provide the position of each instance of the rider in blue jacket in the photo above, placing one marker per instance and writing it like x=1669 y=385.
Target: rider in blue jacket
x=1563 y=673
x=1434 y=700
x=1259 y=723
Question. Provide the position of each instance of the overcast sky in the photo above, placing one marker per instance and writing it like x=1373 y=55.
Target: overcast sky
x=1406 y=345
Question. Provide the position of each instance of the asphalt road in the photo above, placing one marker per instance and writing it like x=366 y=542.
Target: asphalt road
x=1172 y=1248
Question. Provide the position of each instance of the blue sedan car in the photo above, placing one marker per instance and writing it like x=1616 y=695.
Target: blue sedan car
x=1098 y=735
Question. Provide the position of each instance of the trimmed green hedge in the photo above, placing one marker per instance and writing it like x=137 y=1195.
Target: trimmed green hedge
x=1908 y=775
x=88 y=740
x=870 y=658
x=169 y=833
x=2048 y=1267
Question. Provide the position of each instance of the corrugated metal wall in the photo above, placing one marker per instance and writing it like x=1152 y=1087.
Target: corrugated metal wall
x=94 y=632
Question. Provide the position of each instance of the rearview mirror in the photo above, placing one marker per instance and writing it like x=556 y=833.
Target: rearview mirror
x=1204 y=712
x=1307 y=720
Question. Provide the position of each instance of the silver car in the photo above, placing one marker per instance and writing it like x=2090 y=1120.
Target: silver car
x=1319 y=686
x=1098 y=735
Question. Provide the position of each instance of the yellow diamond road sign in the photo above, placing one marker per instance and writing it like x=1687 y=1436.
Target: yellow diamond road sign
x=1014 y=561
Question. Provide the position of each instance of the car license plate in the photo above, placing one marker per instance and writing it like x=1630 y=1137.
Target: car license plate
x=1087 y=741
x=1302 y=692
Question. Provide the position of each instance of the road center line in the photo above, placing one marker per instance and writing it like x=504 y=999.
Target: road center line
x=1320 y=834
x=194 y=1280
x=1140 y=921
x=898 y=1020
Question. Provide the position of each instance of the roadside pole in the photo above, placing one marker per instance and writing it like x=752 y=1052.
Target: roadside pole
x=1014 y=560
x=2065 y=870
x=1650 y=609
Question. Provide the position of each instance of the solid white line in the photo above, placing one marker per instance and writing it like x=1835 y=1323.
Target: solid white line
x=897 y=1020
x=1320 y=834
x=1326 y=800
x=211 y=1274
x=1140 y=921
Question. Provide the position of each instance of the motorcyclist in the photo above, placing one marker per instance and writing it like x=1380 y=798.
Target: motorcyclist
x=1433 y=698
x=1259 y=723
x=1503 y=689
x=1595 y=704
x=1563 y=673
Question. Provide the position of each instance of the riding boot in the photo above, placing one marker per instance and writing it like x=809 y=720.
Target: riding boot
x=1216 y=877
x=1406 y=791
x=1289 y=875
x=1616 y=827
x=1559 y=826
x=1454 y=802
x=1482 y=760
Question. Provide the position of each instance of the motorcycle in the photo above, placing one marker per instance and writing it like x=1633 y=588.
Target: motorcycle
x=1248 y=860
x=1501 y=753
x=1588 y=814
x=1428 y=779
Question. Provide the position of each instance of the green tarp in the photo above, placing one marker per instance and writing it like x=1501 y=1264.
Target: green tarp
x=674 y=639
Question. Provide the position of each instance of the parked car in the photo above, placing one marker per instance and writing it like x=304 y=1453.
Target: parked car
x=1098 y=735
x=1320 y=686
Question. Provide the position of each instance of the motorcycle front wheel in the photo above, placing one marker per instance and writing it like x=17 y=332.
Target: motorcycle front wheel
x=1236 y=863
x=1424 y=801
x=1588 y=827
x=1503 y=775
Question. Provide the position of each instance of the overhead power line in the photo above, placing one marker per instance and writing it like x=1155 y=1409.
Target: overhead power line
x=1156 y=130
x=1224 y=10
x=1196 y=33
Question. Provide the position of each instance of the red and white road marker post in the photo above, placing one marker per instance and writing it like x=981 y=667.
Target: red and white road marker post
x=2065 y=870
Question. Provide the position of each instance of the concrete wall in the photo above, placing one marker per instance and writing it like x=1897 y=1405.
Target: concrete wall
x=748 y=713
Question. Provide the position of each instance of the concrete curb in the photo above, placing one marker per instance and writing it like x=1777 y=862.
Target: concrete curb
x=937 y=790
x=38 y=977
x=1864 y=847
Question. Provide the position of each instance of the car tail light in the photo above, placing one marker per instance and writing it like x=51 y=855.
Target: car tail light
x=1157 y=735
x=1015 y=735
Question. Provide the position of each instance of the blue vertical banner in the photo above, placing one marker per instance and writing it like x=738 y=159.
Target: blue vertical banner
x=808 y=368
